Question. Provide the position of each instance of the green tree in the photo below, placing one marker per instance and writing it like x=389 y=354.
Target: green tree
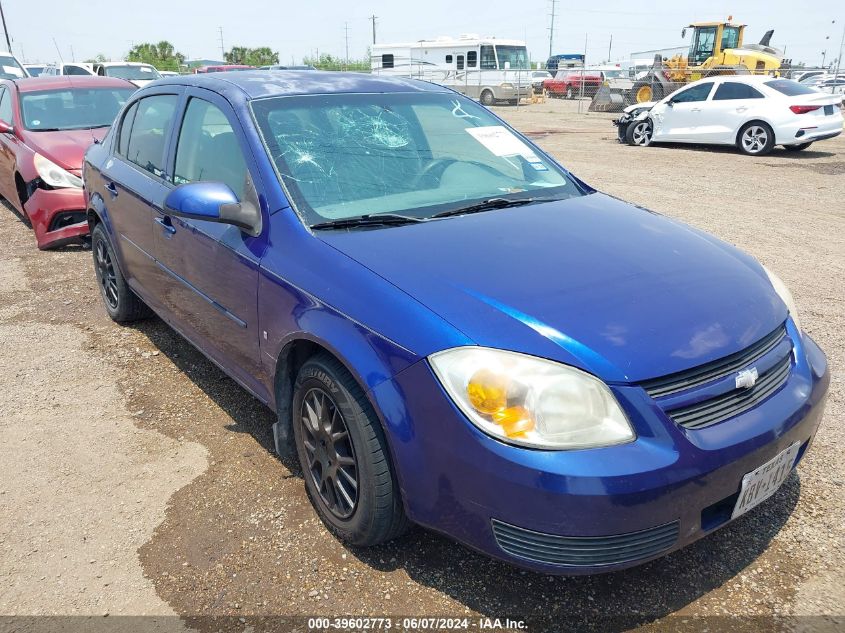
x=327 y=61
x=162 y=55
x=262 y=56
x=96 y=60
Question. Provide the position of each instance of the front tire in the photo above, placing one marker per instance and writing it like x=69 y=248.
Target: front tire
x=487 y=98
x=755 y=139
x=122 y=305
x=344 y=455
x=639 y=133
x=570 y=94
x=797 y=148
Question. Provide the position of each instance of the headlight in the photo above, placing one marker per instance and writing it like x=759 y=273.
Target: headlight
x=785 y=296
x=529 y=401
x=54 y=175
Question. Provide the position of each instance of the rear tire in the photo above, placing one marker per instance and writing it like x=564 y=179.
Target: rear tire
x=344 y=455
x=797 y=148
x=122 y=305
x=487 y=98
x=755 y=139
x=570 y=94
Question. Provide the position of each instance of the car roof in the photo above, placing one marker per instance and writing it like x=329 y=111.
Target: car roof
x=56 y=82
x=122 y=64
x=269 y=83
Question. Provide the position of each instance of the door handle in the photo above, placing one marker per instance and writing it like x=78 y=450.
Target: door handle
x=112 y=189
x=165 y=223
x=741 y=109
x=695 y=110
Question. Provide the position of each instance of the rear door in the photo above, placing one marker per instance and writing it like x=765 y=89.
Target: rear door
x=732 y=104
x=135 y=183
x=213 y=267
x=678 y=119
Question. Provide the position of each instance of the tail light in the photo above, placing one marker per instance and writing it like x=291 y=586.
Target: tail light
x=803 y=109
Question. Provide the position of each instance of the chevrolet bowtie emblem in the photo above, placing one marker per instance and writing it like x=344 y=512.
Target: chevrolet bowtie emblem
x=747 y=378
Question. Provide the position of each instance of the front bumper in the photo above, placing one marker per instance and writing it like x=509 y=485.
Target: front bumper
x=57 y=216
x=671 y=486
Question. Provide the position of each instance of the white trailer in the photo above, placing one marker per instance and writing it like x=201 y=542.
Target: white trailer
x=484 y=68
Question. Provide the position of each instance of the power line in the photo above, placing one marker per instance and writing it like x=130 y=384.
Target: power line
x=373 y=19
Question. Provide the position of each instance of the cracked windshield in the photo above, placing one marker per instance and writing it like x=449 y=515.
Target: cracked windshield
x=343 y=156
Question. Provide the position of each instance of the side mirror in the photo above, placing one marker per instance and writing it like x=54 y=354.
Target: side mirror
x=6 y=128
x=683 y=33
x=214 y=202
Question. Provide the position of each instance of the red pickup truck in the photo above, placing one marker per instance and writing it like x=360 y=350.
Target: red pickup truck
x=568 y=83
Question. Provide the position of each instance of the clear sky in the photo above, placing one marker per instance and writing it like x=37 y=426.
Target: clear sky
x=295 y=29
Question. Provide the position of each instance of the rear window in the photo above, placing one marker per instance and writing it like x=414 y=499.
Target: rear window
x=790 y=88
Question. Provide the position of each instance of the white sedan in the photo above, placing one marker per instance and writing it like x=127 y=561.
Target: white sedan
x=754 y=113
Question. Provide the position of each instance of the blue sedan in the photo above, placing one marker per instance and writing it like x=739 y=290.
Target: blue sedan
x=452 y=329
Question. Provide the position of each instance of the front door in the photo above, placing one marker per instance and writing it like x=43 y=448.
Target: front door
x=213 y=267
x=8 y=147
x=679 y=118
x=733 y=104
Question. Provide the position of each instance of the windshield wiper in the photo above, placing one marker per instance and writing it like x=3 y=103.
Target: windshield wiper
x=383 y=219
x=492 y=203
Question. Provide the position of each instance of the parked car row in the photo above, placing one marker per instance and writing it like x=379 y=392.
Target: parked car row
x=753 y=113
x=283 y=222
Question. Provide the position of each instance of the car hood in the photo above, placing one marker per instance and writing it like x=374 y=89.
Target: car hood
x=65 y=148
x=614 y=289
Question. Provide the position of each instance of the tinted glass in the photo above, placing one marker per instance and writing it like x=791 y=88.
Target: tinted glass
x=74 y=70
x=208 y=149
x=75 y=109
x=35 y=71
x=149 y=132
x=6 y=107
x=696 y=93
x=346 y=155
x=790 y=88
x=702 y=45
x=730 y=37
x=126 y=129
x=734 y=90
x=147 y=73
x=472 y=59
x=488 y=58
x=387 y=61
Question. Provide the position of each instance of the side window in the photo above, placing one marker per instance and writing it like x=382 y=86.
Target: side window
x=153 y=119
x=125 y=129
x=448 y=59
x=488 y=58
x=696 y=93
x=472 y=59
x=735 y=90
x=208 y=149
x=6 y=107
x=460 y=62
x=387 y=61
x=74 y=70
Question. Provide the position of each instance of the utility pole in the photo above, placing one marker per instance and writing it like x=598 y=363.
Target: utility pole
x=373 y=19
x=346 y=30
x=72 y=55
x=222 y=49
x=609 y=48
x=5 y=30
x=552 y=28
x=839 y=59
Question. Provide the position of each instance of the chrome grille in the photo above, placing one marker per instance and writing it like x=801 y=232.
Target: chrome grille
x=673 y=383
x=584 y=551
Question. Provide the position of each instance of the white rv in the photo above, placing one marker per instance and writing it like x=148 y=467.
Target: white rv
x=484 y=68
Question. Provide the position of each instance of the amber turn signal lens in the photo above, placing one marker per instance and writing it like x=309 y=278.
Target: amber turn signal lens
x=515 y=421
x=488 y=391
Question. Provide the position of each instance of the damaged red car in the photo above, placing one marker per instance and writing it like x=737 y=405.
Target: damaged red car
x=46 y=124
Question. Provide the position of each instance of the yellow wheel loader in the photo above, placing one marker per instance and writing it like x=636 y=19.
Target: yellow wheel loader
x=716 y=49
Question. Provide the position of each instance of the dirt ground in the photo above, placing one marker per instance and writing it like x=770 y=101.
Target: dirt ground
x=135 y=478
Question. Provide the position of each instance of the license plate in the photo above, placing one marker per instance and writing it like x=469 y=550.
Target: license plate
x=828 y=109
x=760 y=484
